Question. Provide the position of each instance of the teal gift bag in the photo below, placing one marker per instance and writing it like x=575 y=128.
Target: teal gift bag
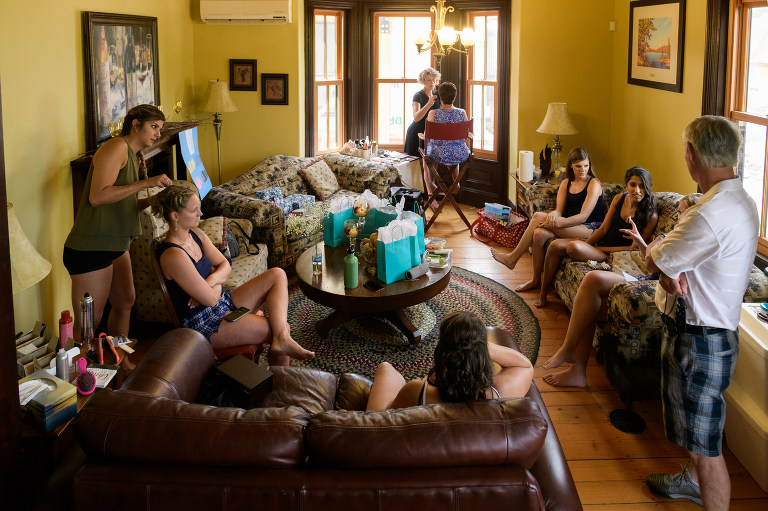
x=377 y=218
x=419 y=221
x=393 y=259
x=333 y=227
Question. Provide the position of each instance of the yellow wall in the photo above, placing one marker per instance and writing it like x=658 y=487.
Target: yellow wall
x=41 y=69
x=561 y=51
x=255 y=131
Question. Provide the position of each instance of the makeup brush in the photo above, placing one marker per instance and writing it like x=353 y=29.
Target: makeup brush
x=86 y=381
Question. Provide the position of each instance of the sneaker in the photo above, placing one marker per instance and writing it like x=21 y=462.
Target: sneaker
x=675 y=486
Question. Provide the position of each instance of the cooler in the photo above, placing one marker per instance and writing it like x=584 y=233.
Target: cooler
x=746 y=423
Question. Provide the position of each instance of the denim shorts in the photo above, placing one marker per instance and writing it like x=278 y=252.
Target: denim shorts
x=695 y=371
x=207 y=320
x=594 y=225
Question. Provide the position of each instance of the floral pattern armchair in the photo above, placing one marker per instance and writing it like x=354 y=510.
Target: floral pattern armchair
x=236 y=199
x=630 y=339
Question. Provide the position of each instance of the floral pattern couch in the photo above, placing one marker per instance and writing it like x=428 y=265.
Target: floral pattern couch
x=630 y=340
x=236 y=199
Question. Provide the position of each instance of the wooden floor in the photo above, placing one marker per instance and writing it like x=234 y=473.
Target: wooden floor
x=609 y=466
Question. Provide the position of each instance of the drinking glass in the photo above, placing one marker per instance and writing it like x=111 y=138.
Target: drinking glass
x=351 y=230
x=361 y=208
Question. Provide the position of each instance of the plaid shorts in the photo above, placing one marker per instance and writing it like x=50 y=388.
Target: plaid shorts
x=208 y=319
x=695 y=371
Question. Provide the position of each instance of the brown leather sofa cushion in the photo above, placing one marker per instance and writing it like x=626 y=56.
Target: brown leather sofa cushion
x=131 y=426
x=353 y=391
x=310 y=389
x=492 y=432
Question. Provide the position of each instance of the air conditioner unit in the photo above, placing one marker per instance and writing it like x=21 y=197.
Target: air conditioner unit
x=245 y=11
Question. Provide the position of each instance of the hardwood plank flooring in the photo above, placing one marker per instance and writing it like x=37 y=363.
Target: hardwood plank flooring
x=608 y=466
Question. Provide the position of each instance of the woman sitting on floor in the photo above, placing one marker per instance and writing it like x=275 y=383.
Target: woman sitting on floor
x=194 y=272
x=591 y=304
x=638 y=203
x=463 y=370
x=578 y=212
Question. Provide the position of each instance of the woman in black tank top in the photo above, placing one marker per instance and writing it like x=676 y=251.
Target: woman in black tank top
x=578 y=212
x=638 y=202
x=462 y=370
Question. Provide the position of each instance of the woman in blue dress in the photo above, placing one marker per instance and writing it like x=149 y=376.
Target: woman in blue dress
x=448 y=153
x=424 y=101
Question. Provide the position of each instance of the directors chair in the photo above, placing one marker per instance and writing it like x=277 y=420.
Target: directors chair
x=249 y=351
x=446 y=177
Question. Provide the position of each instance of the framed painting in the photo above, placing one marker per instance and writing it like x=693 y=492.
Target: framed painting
x=121 y=69
x=274 y=89
x=242 y=74
x=656 y=41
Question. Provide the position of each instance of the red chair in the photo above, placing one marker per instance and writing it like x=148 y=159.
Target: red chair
x=250 y=351
x=445 y=131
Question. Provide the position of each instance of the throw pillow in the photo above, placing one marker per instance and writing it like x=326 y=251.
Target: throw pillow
x=321 y=179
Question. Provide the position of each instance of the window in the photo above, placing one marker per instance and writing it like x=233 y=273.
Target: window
x=397 y=65
x=328 y=82
x=483 y=83
x=747 y=102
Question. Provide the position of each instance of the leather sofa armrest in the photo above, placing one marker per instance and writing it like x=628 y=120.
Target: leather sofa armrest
x=136 y=427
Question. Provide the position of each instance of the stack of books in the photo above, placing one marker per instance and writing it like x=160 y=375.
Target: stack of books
x=54 y=404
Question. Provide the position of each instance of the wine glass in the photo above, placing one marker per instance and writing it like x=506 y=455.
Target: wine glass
x=115 y=127
x=351 y=230
x=361 y=208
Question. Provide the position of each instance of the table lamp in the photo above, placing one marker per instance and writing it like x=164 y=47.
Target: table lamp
x=217 y=100
x=557 y=123
x=28 y=267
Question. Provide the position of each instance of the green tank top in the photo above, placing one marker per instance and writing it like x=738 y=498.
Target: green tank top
x=110 y=226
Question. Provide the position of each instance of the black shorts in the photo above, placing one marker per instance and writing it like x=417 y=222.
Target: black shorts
x=86 y=261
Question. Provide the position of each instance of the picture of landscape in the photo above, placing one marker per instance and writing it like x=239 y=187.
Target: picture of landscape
x=654 y=42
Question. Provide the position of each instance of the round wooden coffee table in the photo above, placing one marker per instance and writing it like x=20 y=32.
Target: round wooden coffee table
x=328 y=289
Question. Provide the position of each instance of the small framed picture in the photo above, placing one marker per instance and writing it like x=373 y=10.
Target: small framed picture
x=274 y=89
x=242 y=74
x=656 y=42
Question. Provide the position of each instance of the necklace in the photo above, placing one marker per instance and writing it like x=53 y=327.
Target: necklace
x=188 y=244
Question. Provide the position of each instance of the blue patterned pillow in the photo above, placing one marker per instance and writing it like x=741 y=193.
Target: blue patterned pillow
x=271 y=194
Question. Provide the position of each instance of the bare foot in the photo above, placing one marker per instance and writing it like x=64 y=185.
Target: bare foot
x=531 y=284
x=573 y=376
x=562 y=355
x=286 y=346
x=541 y=303
x=504 y=258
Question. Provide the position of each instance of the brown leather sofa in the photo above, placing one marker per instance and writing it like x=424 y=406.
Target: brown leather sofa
x=308 y=446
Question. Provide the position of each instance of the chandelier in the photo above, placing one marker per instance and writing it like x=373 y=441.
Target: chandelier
x=444 y=38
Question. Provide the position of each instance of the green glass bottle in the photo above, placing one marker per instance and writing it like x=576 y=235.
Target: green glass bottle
x=350 y=269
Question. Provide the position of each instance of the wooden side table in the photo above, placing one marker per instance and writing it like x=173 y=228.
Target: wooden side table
x=521 y=203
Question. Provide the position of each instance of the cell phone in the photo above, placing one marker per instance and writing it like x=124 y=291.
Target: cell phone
x=373 y=286
x=237 y=314
x=763 y=316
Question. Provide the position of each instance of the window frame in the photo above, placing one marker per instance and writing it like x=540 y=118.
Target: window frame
x=406 y=81
x=339 y=82
x=735 y=103
x=477 y=149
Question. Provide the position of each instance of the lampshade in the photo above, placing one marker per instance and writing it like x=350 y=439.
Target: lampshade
x=27 y=266
x=468 y=37
x=216 y=98
x=557 y=122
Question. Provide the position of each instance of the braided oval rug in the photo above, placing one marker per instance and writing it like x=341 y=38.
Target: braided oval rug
x=360 y=345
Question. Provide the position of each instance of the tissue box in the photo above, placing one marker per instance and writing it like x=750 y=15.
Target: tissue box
x=272 y=194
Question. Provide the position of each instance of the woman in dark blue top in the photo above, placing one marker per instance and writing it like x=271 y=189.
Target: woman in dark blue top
x=578 y=212
x=194 y=271
x=638 y=203
x=423 y=101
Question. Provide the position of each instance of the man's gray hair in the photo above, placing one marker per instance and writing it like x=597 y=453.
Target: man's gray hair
x=715 y=139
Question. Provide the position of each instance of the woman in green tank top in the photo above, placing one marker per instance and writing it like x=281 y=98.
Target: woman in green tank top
x=96 y=250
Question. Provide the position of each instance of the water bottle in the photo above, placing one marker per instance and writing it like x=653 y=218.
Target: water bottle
x=65 y=328
x=62 y=364
x=86 y=320
x=317 y=261
x=350 y=269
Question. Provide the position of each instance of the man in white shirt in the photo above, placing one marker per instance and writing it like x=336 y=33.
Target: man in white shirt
x=705 y=263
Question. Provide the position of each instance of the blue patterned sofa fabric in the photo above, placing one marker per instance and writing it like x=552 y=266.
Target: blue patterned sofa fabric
x=237 y=199
x=630 y=339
